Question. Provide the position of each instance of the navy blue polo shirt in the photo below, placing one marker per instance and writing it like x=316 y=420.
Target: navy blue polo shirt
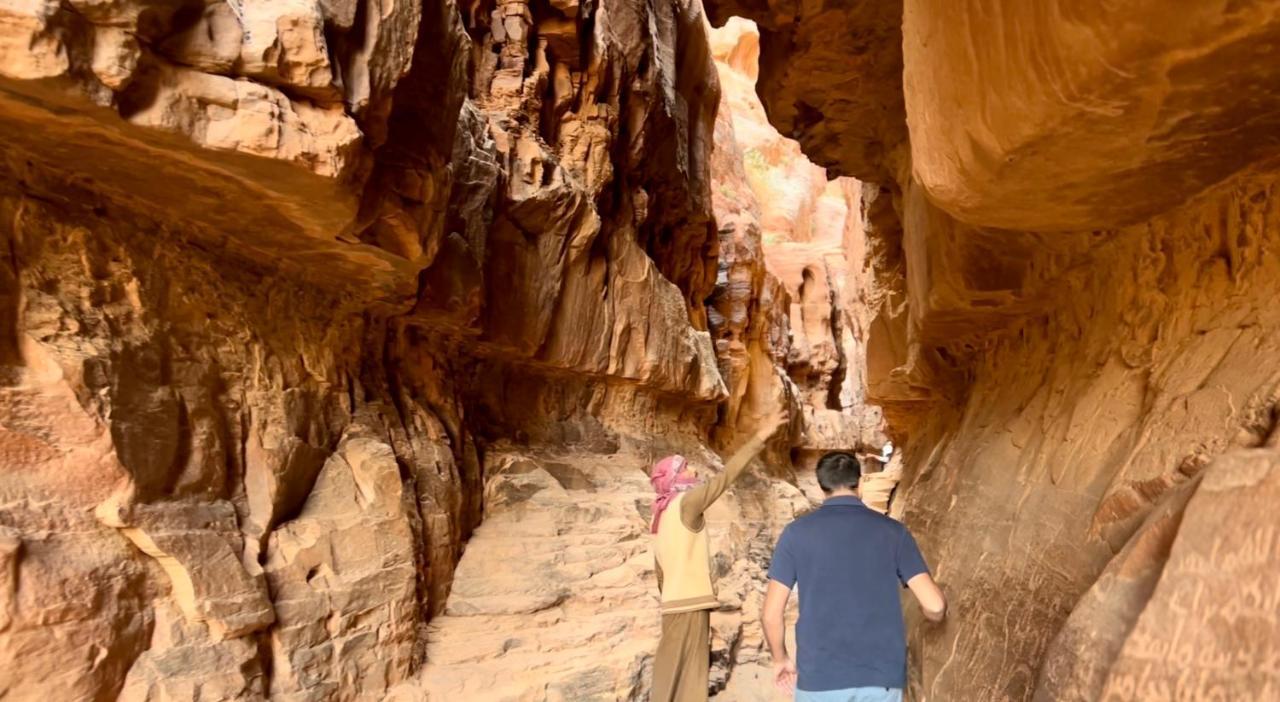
x=850 y=562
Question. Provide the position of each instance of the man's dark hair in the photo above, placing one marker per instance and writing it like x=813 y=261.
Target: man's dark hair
x=838 y=469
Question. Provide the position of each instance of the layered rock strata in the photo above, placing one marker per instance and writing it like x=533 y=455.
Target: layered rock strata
x=555 y=598
x=297 y=294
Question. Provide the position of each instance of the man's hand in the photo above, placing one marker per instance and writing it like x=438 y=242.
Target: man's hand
x=784 y=674
x=776 y=418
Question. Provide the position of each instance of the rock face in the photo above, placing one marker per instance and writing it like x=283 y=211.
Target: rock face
x=300 y=298
x=1230 y=641
x=839 y=95
x=780 y=216
x=555 y=597
x=1071 y=298
x=1113 y=406
x=298 y=294
x=988 y=117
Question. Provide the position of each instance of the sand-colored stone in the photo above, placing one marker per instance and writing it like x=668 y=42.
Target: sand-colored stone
x=1068 y=317
x=182 y=662
x=286 y=315
x=343 y=580
x=1215 y=594
x=198 y=547
x=830 y=77
x=784 y=230
x=31 y=48
x=278 y=274
x=1082 y=653
x=1085 y=413
x=262 y=122
x=556 y=596
x=1068 y=116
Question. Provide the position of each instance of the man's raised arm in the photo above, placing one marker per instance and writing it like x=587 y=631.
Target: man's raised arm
x=698 y=499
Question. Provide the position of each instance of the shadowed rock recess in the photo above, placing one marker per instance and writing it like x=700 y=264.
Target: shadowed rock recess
x=336 y=336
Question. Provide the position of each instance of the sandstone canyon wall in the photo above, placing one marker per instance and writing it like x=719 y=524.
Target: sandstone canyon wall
x=337 y=335
x=554 y=597
x=304 y=299
x=780 y=215
x=1074 y=330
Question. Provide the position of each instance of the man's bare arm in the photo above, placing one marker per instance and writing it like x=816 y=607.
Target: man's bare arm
x=775 y=629
x=932 y=602
x=775 y=634
x=697 y=500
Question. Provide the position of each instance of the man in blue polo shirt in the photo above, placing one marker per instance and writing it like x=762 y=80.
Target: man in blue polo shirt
x=850 y=562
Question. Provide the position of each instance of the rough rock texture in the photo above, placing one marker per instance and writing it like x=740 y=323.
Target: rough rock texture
x=748 y=310
x=785 y=230
x=1073 y=267
x=287 y=289
x=1114 y=645
x=167 y=414
x=555 y=597
x=1080 y=656
x=346 y=560
x=1217 y=587
x=830 y=78
x=296 y=293
x=1102 y=408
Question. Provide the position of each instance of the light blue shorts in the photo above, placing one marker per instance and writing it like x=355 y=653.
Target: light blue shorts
x=852 y=694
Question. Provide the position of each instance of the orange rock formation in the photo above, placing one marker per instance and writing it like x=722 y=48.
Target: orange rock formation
x=299 y=294
x=337 y=335
x=1073 y=321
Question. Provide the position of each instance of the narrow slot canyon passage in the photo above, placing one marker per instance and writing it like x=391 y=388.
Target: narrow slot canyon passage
x=338 y=338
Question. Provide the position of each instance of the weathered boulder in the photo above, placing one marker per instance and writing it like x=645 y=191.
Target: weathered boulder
x=198 y=546
x=343 y=580
x=181 y=661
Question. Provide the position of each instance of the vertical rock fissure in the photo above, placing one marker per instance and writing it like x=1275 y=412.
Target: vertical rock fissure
x=839 y=376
